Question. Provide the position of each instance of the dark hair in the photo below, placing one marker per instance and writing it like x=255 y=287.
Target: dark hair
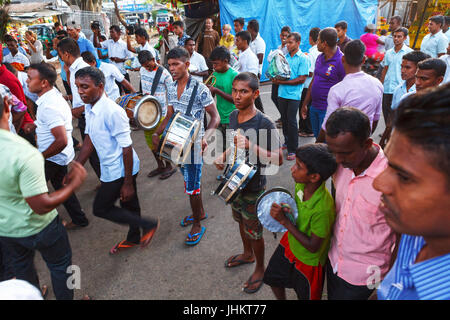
x=62 y=33
x=401 y=29
x=254 y=25
x=241 y=21
x=297 y=37
x=56 y=24
x=178 y=53
x=383 y=32
x=314 y=33
x=178 y=23
x=244 y=35
x=142 y=33
x=94 y=73
x=416 y=56
x=189 y=39
x=438 y=19
x=397 y=18
x=447 y=20
x=69 y=45
x=220 y=53
x=424 y=118
x=354 y=52
x=250 y=78
x=46 y=72
x=317 y=159
x=88 y=57
x=329 y=36
x=286 y=29
x=349 y=119
x=10 y=67
x=438 y=65
x=145 y=56
x=9 y=38
x=102 y=37
x=116 y=28
x=341 y=24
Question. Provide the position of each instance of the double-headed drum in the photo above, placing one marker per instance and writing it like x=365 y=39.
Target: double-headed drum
x=236 y=179
x=178 y=137
x=144 y=109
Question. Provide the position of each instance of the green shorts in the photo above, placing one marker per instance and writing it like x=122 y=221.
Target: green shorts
x=244 y=211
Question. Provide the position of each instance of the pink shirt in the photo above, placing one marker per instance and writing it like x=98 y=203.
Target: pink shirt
x=370 y=40
x=358 y=90
x=362 y=239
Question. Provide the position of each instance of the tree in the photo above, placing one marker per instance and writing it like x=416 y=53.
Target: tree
x=86 y=5
x=4 y=19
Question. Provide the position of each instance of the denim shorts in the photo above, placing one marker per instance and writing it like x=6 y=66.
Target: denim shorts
x=192 y=174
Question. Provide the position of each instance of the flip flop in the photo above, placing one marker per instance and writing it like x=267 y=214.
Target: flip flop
x=190 y=220
x=238 y=262
x=155 y=172
x=166 y=175
x=190 y=236
x=148 y=236
x=247 y=290
x=122 y=245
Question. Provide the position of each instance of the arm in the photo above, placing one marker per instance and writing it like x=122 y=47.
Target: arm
x=307 y=100
x=129 y=46
x=383 y=73
x=292 y=82
x=274 y=157
x=31 y=45
x=200 y=73
x=224 y=95
x=374 y=125
x=260 y=57
x=128 y=85
x=59 y=144
x=85 y=151
x=162 y=126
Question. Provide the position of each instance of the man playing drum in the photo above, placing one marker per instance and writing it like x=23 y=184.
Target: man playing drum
x=179 y=95
x=262 y=144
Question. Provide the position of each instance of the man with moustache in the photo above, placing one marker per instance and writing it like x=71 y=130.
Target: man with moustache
x=362 y=244
x=415 y=201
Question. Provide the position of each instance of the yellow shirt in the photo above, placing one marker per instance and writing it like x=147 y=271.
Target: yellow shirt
x=227 y=41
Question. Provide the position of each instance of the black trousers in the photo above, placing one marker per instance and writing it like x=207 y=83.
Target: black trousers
x=386 y=106
x=93 y=158
x=56 y=173
x=259 y=105
x=304 y=125
x=274 y=96
x=289 y=110
x=128 y=213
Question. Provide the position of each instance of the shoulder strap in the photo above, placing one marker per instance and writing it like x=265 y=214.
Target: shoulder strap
x=191 y=101
x=156 y=80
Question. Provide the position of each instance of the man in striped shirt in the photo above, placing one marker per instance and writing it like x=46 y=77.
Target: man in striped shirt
x=415 y=201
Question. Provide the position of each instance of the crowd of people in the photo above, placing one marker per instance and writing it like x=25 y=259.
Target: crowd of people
x=384 y=214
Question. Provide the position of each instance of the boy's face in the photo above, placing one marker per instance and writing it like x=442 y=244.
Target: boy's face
x=243 y=95
x=178 y=68
x=291 y=44
x=220 y=66
x=299 y=172
x=340 y=32
x=12 y=46
x=426 y=78
x=240 y=44
x=399 y=38
x=34 y=81
x=408 y=70
x=141 y=40
x=178 y=31
x=149 y=65
x=238 y=27
x=414 y=191
x=283 y=37
x=189 y=46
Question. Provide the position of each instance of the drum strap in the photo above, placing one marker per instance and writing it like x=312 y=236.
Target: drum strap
x=191 y=101
x=156 y=80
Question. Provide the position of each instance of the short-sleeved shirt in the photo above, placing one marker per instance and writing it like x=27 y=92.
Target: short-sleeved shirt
x=393 y=60
x=399 y=92
x=315 y=215
x=313 y=53
x=182 y=40
x=53 y=111
x=197 y=64
x=207 y=41
x=23 y=176
x=326 y=74
x=446 y=59
x=300 y=65
x=76 y=65
x=147 y=78
x=259 y=46
x=370 y=40
x=224 y=82
x=86 y=45
x=434 y=44
x=248 y=62
x=117 y=49
x=112 y=74
x=36 y=57
x=263 y=129
x=18 y=58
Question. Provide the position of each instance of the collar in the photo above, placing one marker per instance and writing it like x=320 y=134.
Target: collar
x=75 y=64
x=95 y=109
x=334 y=57
x=318 y=194
x=45 y=96
x=355 y=74
x=436 y=34
x=298 y=53
x=378 y=164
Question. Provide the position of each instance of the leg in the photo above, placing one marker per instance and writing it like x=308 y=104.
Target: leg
x=274 y=96
x=304 y=125
x=313 y=117
x=279 y=293
x=292 y=129
x=283 y=107
x=386 y=106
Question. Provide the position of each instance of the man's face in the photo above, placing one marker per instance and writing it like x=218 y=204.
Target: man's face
x=252 y=32
x=243 y=95
x=292 y=45
x=113 y=34
x=73 y=32
x=189 y=46
x=283 y=37
x=408 y=70
x=209 y=24
x=178 y=68
x=340 y=32
x=34 y=82
x=393 y=25
x=321 y=45
x=348 y=150
x=399 y=38
x=414 y=191
x=426 y=79
x=149 y=65
x=240 y=43
x=434 y=27
x=13 y=47
x=178 y=31
x=238 y=27
x=220 y=66
x=64 y=57
x=88 y=90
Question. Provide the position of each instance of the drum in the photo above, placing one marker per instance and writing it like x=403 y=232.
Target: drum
x=264 y=203
x=235 y=181
x=144 y=109
x=178 y=137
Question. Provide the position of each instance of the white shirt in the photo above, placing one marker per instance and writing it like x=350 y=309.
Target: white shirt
x=446 y=58
x=54 y=111
x=448 y=34
x=148 y=47
x=108 y=127
x=160 y=94
x=198 y=64
x=76 y=65
x=112 y=74
x=313 y=53
x=22 y=76
x=117 y=50
x=434 y=44
x=259 y=46
x=248 y=61
x=18 y=58
x=36 y=57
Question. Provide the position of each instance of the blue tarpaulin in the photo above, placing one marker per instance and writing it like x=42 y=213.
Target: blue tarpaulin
x=300 y=15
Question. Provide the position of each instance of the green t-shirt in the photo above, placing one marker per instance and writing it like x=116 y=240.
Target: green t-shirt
x=315 y=215
x=224 y=82
x=22 y=176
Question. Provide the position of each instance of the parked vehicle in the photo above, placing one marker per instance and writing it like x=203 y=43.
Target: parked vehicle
x=44 y=33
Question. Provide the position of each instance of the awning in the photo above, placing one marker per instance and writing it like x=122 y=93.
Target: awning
x=30 y=16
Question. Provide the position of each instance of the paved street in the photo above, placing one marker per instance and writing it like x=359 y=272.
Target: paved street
x=167 y=269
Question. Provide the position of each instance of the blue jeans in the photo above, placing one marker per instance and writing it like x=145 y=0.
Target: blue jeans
x=53 y=244
x=316 y=116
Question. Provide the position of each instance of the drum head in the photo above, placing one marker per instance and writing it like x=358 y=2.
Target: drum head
x=264 y=203
x=148 y=112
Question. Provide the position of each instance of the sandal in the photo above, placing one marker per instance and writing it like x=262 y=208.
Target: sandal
x=200 y=234
x=148 y=236
x=122 y=245
x=168 y=174
x=190 y=220
x=233 y=262
x=155 y=172
x=249 y=283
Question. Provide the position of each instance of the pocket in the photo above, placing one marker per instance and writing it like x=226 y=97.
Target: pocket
x=366 y=211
